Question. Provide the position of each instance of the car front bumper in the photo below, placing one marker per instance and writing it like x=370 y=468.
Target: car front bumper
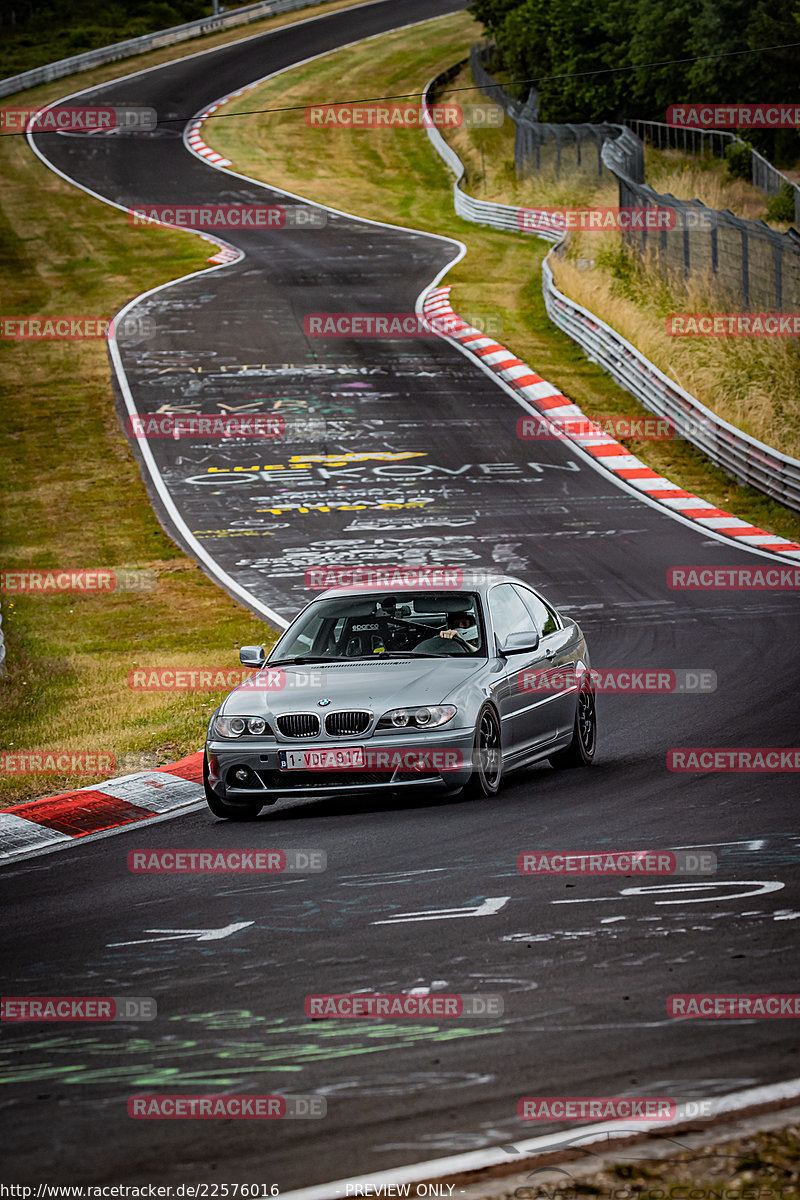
x=438 y=759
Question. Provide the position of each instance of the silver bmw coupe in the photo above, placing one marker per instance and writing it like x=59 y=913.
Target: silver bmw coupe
x=373 y=690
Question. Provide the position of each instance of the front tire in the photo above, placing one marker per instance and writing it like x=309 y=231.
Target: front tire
x=487 y=757
x=580 y=751
x=229 y=812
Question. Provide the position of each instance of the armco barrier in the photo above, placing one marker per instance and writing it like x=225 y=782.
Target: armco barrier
x=745 y=458
x=148 y=41
x=481 y=212
x=754 y=267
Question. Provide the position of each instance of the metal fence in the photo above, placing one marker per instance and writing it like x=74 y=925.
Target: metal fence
x=494 y=90
x=740 y=263
x=148 y=41
x=744 y=265
x=745 y=458
x=538 y=146
x=763 y=175
x=480 y=212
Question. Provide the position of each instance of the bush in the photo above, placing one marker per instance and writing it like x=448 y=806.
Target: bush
x=781 y=207
x=85 y=37
x=738 y=158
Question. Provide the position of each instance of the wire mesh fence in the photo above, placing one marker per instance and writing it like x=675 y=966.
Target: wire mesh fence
x=743 y=457
x=741 y=263
x=735 y=262
x=763 y=175
x=539 y=147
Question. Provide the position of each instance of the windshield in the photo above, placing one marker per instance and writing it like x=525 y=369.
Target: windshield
x=440 y=624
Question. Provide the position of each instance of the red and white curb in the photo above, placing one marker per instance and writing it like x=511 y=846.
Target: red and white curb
x=545 y=400
x=57 y=821
x=193 y=139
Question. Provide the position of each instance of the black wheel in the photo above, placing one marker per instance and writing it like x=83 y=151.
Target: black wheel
x=580 y=751
x=487 y=756
x=231 y=812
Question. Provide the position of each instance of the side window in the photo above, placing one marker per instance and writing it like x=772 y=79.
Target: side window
x=305 y=641
x=509 y=614
x=544 y=616
x=335 y=634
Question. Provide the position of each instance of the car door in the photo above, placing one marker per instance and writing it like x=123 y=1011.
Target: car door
x=558 y=644
x=528 y=717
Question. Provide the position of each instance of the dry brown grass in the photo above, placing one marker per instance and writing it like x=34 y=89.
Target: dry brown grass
x=752 y=382
x=706 y=180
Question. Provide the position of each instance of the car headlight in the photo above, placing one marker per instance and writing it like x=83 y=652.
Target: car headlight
x=234 y=727
x=429 y=716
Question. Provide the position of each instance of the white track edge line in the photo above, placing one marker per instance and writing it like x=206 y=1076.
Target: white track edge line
x=170 y=62
x=475 y=1160
x=214 y=569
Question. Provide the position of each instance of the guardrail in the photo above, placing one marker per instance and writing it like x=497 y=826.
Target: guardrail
x=745 y=458
x=762 y=173
x=480 y=212
x=748 y=263
x=148 y=41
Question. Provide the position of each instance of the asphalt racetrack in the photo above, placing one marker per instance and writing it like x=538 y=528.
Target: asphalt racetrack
x=584 y=965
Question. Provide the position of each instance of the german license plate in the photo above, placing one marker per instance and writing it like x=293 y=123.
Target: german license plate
x=322 y=758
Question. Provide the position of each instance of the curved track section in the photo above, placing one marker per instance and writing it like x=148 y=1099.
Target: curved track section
x=584 y=969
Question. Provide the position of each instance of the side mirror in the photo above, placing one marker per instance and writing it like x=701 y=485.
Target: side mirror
x=518 y=643
x=252 y=656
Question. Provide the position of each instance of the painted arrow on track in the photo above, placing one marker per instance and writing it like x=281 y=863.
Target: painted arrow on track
x=199 y=935
x=492 y=904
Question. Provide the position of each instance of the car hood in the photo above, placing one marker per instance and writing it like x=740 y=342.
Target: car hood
x=371 y=684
